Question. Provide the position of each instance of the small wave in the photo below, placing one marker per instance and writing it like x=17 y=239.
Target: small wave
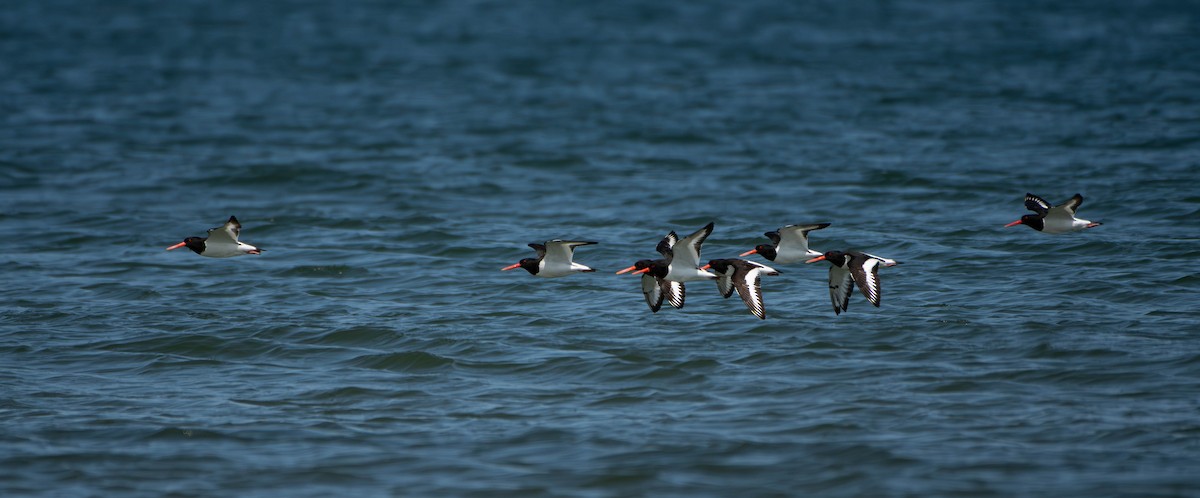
x=410 y=361
x=335 y=271
x=357 y=336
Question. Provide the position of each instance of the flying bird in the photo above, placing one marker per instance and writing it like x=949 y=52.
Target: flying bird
x=680 y=263
x=554 y=259
x=789 y=244
x=1053 y=220
x=745 y=277
x=655 y=287
x=683 y=255
x=849 y=268
x=222 y=242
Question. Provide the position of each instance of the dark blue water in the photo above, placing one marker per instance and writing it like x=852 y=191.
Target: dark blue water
x=392 y=156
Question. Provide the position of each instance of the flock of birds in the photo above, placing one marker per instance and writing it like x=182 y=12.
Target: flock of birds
x=664 y=278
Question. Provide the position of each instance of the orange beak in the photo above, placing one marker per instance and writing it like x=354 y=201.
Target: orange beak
x=818 y=258
x=1013 y=224
x=747 y=253
x=177 y=246
x=631 y=268
x=705 y=267
x=643 y=270
x=510 y=267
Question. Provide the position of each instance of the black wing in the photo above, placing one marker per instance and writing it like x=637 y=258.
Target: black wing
x=1037 y=204
x=774 y=236
x=541 y=249
x=865 y=270
x=667 y=244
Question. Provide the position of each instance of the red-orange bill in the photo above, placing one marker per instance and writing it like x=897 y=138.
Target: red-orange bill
x=818 y=258
x=631 y=268
x=510 y=267
x=747 y=253
x=1013 y=224
x=177 y=246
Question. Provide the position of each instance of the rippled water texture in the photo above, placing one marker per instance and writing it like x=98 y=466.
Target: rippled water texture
x=391 y=157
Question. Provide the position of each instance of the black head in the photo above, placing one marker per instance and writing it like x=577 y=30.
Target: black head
x=835 y=258
x=196 y=244
x=767 y=251
x=654 y=267
x=1034 y=221
x=530 y=265
x=721 y=265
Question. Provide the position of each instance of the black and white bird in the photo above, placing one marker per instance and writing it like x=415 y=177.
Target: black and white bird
x=683 y=255
x=222 y=242
x=745 y=277
x=554 y=259
x=680 y=263
x=1053 y=220
x=654 y=286
x=790 y=244
x=849 y=268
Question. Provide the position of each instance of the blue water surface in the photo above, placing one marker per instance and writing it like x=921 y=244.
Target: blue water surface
x=391 y=157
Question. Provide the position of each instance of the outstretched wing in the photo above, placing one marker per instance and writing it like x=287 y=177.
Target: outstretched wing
x=655 y=289
x=774 y=236
x=541 y=250
x=667 y=244
x=797 y=235
x=653 y=292
x=1072 y=204
x=227 y=233
x=1037 y=204
x=674 y=292
x=687 y=250
x=840 y=287
x=561 y=251
x=865 y=270
x=725 y=281
x=748 y=280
